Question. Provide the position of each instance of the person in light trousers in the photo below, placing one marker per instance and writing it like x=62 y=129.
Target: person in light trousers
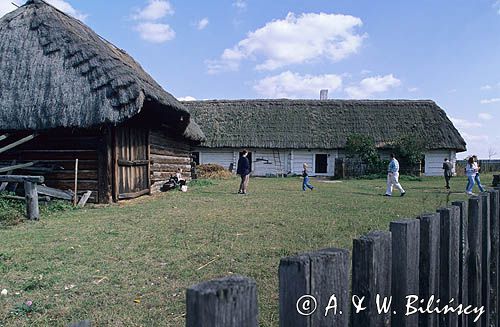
x=393 y=177
x=305 y=183
x=470 y=172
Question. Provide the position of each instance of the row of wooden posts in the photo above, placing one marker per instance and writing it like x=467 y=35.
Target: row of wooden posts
x=450 y=257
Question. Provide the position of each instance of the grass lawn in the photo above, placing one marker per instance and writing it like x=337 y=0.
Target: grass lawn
x=129 y=264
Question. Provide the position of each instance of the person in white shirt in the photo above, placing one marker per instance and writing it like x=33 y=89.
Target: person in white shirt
x=470 y=172
x=393 y=177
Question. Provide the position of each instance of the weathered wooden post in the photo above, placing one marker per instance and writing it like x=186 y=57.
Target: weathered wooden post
x=475 y=242
x=494 y=255
x=314 y=289
x=405 y=270
x=371 y=276
x=226 y=302
x=30 y=192
x=486 y=257
x=429 y=264
x=449 y=262
x=463 y=268
x=498 y=272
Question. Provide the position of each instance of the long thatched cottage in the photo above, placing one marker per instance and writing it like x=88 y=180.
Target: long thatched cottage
x=67 y=94
x=283 y=134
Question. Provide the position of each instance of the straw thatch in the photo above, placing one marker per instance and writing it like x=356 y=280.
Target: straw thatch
x=56 y=72
x=321 y=124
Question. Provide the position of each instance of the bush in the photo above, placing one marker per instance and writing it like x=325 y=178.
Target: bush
x=213 y=171
x=11 y=212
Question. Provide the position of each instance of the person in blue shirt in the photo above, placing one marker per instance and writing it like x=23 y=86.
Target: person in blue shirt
x=305 y=183
x=393 y=177
x=243 y=170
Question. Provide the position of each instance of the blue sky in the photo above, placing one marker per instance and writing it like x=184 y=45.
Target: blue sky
x=447 y=51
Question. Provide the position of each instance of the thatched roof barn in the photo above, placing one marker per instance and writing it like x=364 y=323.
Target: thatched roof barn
x=60 y=79
x=301 y=128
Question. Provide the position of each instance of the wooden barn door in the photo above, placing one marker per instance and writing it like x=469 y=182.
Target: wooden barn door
x=131 y=162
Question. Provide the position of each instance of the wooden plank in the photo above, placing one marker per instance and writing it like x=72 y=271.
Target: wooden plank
x=230 y=301
x=463 y=269
x=132 y=195
x=3 y=137
x=429 y=264
x=494 y=256
x=158 y=159
x=3 y=185
x=475 y=245
x=69 y=184
x=70 y=174
x=21 y=179
x=17 y=143
x=16 y=167
x=84 y=199
x=405 y=268
x=20 y=198
x=55 y=193
x=371 y=275
x=486 y=257
x=105 y=168
x=449 y=262
x=132 y=163
x=32 y=209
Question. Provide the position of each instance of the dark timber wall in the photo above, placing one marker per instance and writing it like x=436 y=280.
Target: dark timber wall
x=167 y=155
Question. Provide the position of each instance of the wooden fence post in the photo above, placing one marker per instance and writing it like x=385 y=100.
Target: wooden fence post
x=429 y=264
x=463 y=268
x=486 y=257
x=494 y=255
x=498 y=271
x=371 y=275
x=310 y=283
x=449 y=262
x=31 y=194
x=475 y=270
x=405 y=269
x=226 y=302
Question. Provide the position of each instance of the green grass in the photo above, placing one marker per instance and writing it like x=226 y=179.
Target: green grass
x=93 y=263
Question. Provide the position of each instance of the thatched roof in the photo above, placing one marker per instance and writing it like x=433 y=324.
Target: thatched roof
x=56 y=72
x=321 y=124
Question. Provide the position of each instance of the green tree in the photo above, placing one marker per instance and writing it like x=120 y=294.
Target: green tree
x=410 y=150
x=362 y=147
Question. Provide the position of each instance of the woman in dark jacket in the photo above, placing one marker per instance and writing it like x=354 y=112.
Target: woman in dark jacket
x=244 y=171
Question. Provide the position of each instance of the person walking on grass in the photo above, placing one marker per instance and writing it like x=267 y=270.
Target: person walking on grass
x=476 y=178
x=447 y=167
x=470 y=172
x=243 y=170
x=305 y=182
x=393 y=177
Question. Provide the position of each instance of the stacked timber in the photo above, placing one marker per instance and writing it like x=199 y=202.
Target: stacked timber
x=167 y=155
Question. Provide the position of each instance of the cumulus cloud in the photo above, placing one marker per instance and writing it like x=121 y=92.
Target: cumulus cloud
x=485 y=116
x=372 y=85
x=155 y=32
x=293 y=85
x=464 y=124
x=154 y=10
x=294 y=40
x=489 y=101
x=187 y=98
x=6 y=6
x=202 y=24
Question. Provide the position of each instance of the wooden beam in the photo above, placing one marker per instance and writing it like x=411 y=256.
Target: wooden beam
x=17 y=143
x=32 y=209
x=21 y=179
x=14 y=167
x=21 y=198
x=3 y=137
x=55 y=193
x=84 y=199
x=3 y=185
x=132 y=163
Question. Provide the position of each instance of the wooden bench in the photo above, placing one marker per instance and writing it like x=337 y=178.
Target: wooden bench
x=30 y=192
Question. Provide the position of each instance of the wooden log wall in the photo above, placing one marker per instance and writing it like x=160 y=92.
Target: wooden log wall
x=167 y=154
x=57 y=150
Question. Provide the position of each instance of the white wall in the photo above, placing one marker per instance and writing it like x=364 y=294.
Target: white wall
x=223 y=157
x=434 y=161
x=299 y=157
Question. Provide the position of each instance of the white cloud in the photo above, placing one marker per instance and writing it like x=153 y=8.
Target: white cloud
x=187 y=98
x=412 y=89
x=155 y=33
x=155 y=10
x=6 y=6
x=464 y=124
x=486 y=87
x=202 y=24
x=371 y=85
x=485 y=116
x=294 y=40
x=240 y=4
x=293 y=85
x=488 y=101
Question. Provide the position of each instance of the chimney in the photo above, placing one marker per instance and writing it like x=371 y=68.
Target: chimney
x=323 y=94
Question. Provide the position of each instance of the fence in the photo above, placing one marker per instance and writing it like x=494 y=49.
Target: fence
x=439 y=269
